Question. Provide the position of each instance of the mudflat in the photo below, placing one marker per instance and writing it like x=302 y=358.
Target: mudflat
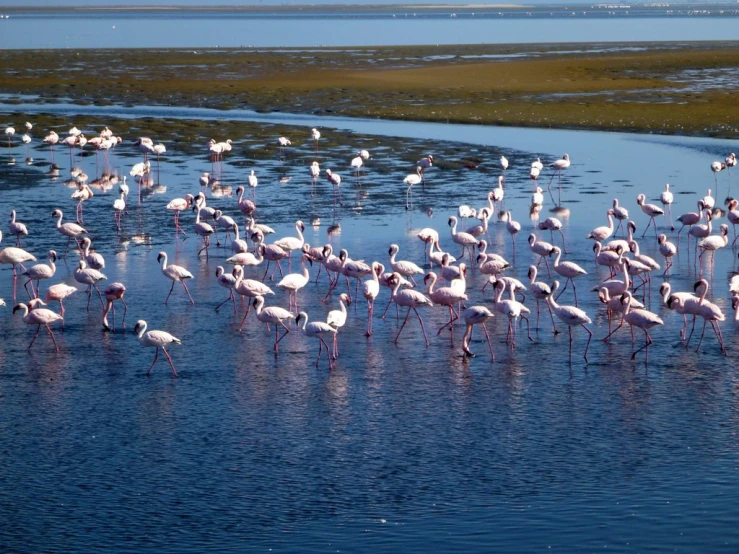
x=667 y=88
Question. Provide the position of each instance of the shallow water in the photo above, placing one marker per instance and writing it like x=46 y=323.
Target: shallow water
x=400 y=447
x=133 y=28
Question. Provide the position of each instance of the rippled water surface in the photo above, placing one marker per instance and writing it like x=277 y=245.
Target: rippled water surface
x=399 y=448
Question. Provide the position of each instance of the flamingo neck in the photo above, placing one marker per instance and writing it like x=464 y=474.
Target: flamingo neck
x=142 y=329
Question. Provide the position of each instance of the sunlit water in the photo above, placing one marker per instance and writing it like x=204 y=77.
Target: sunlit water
x=135 y=28
x=399 y=448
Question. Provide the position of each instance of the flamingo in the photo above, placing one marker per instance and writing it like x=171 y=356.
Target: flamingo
x=410 y=299
x=113 y=292
x=370 y=290
x=465 y=240
x=203 y=229
x=227 y=281
x=316 y=329
x=714 y=242
x=666 y=198
x=157 y=339
x=709 y=201
x=710 y=313
x=701 y=231
x=38 y=272
x=668 y=250
x=178 y=205
x=620 y=213
x=690 y=219
x=9 y=132
x=607 y=258
x=641 y=318
x=274 y=315
x=283 y=142
x=335 y=180
x=293 y=282
x=17 y=228
x=572 y=316
x=248 y=288
x=428 y=236
x=425 y=163
x=444 y=296
x=158 y=149
x=715 y=168
x=498 y=193
x=356 y=164
x=436 y=255
x=512 y=309
x=315 y=173
x=513 y=228
x=315 y=135
x=687 y=305
x=558 y=166
x=410 y=180
x=119 y=206
x=552 y=224
x=651 y=210
x=475 y=315
x=404 y=267
x=51 y=139
x=93 y=259
x=355 y=269
x=503 y=163
x=569 y=270
x=542 y=249
x=735 y=307
x=38 y=317
x=246 y=207
x=602 y=233
x=59 y=292
x=175 y=273
x=90 y=277
x=15 y=256
x=69 y=230
x=540 y=291
x=290 y=244
x=614 y=305
x=253 y=181
x=337 y=319
x=246 y=258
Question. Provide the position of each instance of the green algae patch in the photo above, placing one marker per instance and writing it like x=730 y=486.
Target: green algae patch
x=670 y=88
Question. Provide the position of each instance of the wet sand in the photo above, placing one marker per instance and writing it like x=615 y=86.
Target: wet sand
x=666 y=88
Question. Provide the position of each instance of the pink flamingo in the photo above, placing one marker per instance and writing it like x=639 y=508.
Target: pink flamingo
x=444 y=296
x=175 y=273
x=316 y=329
x=475 y=315
x=59 y=292
x=371 y=288
x=410 y=299
x=248 y=288
x=274 y=315
x=178 y=205
x=113 y=292
x=571 y=316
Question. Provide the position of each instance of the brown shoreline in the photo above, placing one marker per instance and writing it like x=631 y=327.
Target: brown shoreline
x=666 y=88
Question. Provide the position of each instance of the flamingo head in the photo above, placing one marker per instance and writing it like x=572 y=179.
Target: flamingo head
x=161 y=256
x=20 y=306
x=428 y=277
x=56 y=213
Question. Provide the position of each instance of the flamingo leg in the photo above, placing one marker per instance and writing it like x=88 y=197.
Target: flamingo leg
x=38 y=329
x=186 y=290
x=370 y=310
x=165 y=300
x=174 y=371
x=647 y=341
x=590 y=337
x=248 y=307
x=156 y=355
x=422 y=327
x=401 y=327
x=102 y=304
x=490 y=344
x=231 y=297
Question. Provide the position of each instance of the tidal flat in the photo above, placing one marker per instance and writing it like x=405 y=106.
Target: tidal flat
x=660 y=88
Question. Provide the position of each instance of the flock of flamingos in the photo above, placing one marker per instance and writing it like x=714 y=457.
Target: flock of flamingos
x=443 y=274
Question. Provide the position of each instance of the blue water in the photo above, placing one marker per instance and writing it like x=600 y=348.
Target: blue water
x=207 y=29
x=400 y=448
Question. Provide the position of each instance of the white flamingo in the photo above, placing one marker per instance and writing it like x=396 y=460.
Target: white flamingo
x=178 y=205
x=156 y=339
x=666 y=198
x=569 y=270
x=444 y=296
x=293 y=282
x=38 y=317
x=93 y=259
x=572 y=316
x=290 y=244
x=69 y=230
x=410 y=299
x=370 y=290
x=558 y=166
x=465 y=240
x=38 y=272
x=316 y=329
x=175 y=273
x=651 y=210
x=410 y=180
x=90 y=277
x=274 y=315
x=17 y=228
x=475 y=315
x=337 y=319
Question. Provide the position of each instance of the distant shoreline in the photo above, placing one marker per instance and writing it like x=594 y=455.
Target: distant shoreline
x=366 y=8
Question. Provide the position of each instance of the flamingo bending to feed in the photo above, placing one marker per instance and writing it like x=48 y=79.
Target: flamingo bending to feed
x=275 y=315
x=316 y=329
x=113 y=292
x=38 y=317
x=571 y=316
x=175 y=273
x=157 y=339
x=475 y=315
